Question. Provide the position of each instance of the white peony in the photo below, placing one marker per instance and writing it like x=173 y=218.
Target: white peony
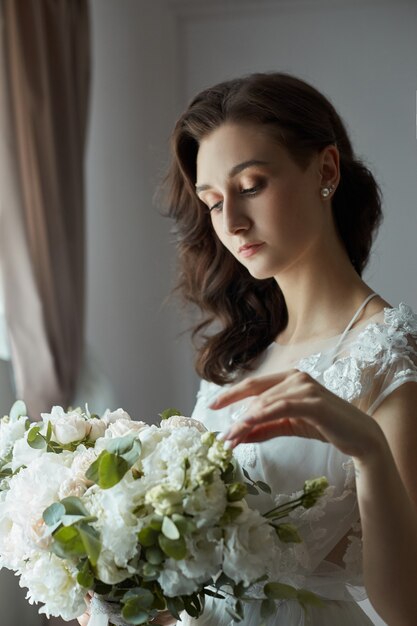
x=124 y=427
x=52 y=580
x=248 y=544
x=10 y=431
x=32 y=490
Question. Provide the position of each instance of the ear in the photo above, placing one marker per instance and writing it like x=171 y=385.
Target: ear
x=329 y=166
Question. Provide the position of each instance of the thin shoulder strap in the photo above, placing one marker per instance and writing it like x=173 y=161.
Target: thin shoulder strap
x=355 y=317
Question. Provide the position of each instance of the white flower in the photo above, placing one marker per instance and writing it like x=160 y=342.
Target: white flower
x=52 y=580
x=77 y=483
x=164 y=500
x=175 y=421
x=123 y=427
x=204 y=559
x=32 y=490
x=207 y=503
x=66 y=427
x=10 y=431
x=110 y=417
x=23 y=454
x=249 y=543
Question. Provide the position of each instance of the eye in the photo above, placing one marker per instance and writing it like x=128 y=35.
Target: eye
x=250 y=191
x=216 y=207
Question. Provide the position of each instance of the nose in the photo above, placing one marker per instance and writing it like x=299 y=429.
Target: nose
x=234 y=217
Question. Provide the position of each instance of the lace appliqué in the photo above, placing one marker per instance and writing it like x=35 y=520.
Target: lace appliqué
x=353 y=557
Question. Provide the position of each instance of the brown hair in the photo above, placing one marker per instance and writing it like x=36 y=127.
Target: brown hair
x=244 y=314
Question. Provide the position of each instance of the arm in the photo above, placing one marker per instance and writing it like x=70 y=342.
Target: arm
x=292 y=403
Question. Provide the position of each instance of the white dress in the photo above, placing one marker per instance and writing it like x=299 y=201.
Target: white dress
x=363 y=365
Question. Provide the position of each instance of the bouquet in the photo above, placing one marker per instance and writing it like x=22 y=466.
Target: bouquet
x=147 y=518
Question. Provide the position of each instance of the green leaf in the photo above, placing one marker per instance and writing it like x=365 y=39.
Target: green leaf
x=251 y=489
x=156 y=522
x=169 y=413
x=263 y=486
x=154 y=555
x=306 y=597
x=279 y=591
x=268 y=608
x=18 y=410
x=120 y=445
x=245 y=473
x=148 y=537
x=91 y=541
x=149 y=571
x=143 y=597
x=133 y=613
x=107 y=470
x=175 y=606
x=85 y=576
x=68 y=542
x=74 y=506
x=53 y=514
x=169 y=529
x=176 y=549
x=288 y=533
x=49 y=432
x=35 y=439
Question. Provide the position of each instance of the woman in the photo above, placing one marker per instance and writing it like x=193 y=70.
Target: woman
x=303 y=366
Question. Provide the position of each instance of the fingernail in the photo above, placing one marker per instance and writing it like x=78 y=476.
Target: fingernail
x=227 y=444
x=221 y=436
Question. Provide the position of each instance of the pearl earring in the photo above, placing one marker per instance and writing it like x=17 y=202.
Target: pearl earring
x=326 y=191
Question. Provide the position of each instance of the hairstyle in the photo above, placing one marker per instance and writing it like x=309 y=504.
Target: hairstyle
x=242 y=315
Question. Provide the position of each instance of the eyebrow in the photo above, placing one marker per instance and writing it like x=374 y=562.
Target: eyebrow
x=234 y=171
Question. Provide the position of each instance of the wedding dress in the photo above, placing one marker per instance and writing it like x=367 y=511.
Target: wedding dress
x=363 y=365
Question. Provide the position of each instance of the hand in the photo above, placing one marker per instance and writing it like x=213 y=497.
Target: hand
x=293 y=403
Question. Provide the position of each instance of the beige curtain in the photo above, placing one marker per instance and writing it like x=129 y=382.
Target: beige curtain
x=44 y=100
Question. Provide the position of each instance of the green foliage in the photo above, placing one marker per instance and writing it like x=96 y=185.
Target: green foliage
x=169 y=413
x=113 y=463
x=288 y=533
x=174 y=548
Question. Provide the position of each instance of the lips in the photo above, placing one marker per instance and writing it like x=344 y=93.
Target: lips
x=249 y=249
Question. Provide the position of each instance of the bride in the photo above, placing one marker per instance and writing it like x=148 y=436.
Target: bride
x=305 y=370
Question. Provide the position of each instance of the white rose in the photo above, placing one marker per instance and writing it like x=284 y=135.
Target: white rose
x=175 y=421
x=66 y=427
x=77 y=483
x=52 y=580
x=124 y=427
x=109 y=417
x=248 y=544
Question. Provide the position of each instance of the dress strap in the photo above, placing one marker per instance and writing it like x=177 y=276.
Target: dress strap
x=355 y=317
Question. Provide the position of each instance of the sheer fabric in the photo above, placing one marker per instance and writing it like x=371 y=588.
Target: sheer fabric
x=363 y=365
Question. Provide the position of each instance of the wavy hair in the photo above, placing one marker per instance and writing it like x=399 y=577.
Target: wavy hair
x=242 y=315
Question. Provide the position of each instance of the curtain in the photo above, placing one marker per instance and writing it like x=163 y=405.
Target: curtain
x=45 y=79
x=44 y=83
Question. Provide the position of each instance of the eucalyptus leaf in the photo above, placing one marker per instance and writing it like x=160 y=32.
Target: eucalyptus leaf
x=169 y=529
x=74 y=506
x=132 y=613
x=154 y=555
x=176 y=549
x=251 y=489
x=68 y=542
x=18 y=410
x=148 y=537
x=91 y=541
x=143 y=597
x=53 y=514
x=120 y=445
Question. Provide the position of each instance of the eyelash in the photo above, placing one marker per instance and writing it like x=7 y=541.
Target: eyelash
x=250 y=191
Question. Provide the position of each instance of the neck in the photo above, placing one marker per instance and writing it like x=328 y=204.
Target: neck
x=322 y=292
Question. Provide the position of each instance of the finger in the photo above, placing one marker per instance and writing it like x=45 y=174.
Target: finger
x=248 y=387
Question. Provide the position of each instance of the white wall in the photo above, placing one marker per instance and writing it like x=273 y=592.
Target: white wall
x=130 y=258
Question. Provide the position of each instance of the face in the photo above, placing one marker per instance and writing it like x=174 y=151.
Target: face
x=265 y=209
